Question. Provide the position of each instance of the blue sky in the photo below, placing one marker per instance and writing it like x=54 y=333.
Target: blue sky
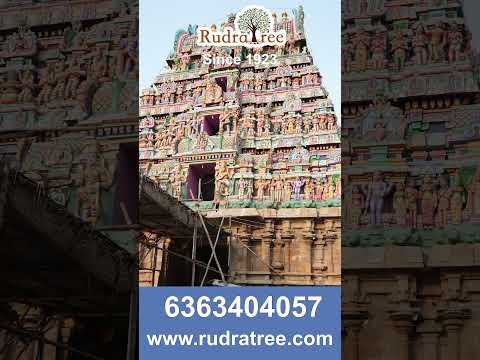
x=160 y=20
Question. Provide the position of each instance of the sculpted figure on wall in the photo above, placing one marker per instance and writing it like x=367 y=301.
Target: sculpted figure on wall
x=297 y=187
x=377 y=190
x=399 y=49
x=222 y=181
x=455 y=43
x=73 y=76
x=412 y=196
x=473 y=196
x=419 y=44
x=378 y=50
x=437 y=43
x=126 y=60
x=428 y=202
x=457 y=202
x=27 y=82
x=362 y=47
x=213 y=92
x=357 y=205
x=444 y=198
x=347 y=53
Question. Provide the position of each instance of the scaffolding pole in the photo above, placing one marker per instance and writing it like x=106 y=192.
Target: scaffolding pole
x=213 y=253
x=194 y=251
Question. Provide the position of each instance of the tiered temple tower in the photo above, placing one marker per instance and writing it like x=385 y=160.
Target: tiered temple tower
x=410 y=140
x=257 y=145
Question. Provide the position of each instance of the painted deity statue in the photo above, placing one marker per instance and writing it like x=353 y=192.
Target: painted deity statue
x=377 y=190
x=347 y=54
x=428 y=202
x=399 y=49
x=222 y=181
x=400 y=204
x=362 y=46
x=127 y=60
x=94 y=175
x=437 y=43
x=412 y=196
x=378 y=51
x=419 y=43
x=297 y=188
x=261 y=186
x=213 y=92
x=287 y=190
x=444 y=198
x=457 y=202
x=319 y=190
x=455 y=43
x=473 y=198
x=357 y=205
x=308 y=189
x=27 y=81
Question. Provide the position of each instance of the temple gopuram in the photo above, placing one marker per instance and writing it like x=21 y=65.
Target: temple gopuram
x=69 y=160
x=411 y=172
x=253 y=146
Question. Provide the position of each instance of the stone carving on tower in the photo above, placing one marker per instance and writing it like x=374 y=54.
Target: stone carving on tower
x=266 y=135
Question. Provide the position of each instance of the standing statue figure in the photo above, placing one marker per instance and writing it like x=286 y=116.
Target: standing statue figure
x=428 y=202
x=357 y=205
x=261 y=185
x=400 y=204
x=347 y=54
x=473 y=200
x=318 y=190
x=456 y=202
x=73 y=78
x=455 y=43
x=377 y=190
x=213 y=92
x=287 y=190
x=242 y=188
x=378 y=50
x=297 y=188
x=437 y=43
x=308 y=189
x=222 y=181
x=127 y=60
x=26 y=78
x=399 y=49
x=362 y=46
x=412 y=195
x=444 y=198
x=419 y=43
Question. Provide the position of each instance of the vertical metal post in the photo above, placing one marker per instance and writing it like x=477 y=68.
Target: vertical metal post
x=199 y=192
x=133 y=321
x=194 y=251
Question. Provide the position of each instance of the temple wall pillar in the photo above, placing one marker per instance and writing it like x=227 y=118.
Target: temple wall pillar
x=453 y=320
x=352 y=322
x=403 y=321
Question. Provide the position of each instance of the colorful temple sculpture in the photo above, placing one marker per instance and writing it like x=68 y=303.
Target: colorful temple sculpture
x=255 y=144
x=69 y=150
x=411 y=171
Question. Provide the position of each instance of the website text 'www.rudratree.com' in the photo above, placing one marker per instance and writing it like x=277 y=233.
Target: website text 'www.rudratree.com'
x=229 y=338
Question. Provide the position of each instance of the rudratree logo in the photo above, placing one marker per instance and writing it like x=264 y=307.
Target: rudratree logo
x=253 y=27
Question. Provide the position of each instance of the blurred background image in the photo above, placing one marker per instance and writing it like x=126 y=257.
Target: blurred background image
x=411 y=176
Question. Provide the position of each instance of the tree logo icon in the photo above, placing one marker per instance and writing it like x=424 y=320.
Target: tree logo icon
x=253 y=19
x=253 y=27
